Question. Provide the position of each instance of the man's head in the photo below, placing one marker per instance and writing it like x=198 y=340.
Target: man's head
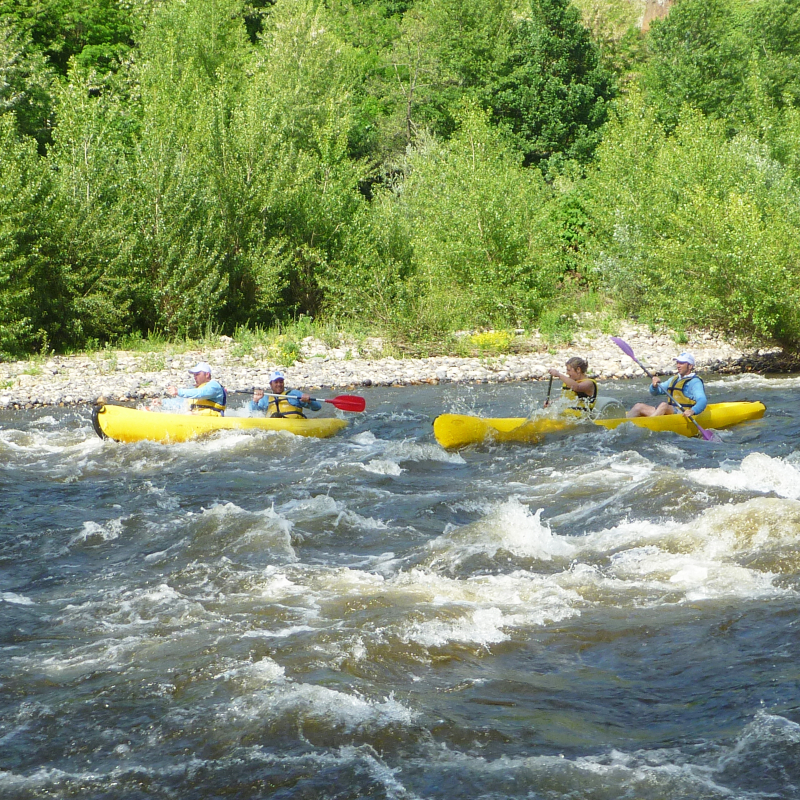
x=202 y=373
x=276 y=382
x=684 y=363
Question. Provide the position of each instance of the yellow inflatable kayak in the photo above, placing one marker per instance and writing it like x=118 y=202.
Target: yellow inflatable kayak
x=132 y=425
x=459 y=430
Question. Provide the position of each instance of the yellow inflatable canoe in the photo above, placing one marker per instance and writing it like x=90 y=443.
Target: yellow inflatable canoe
x=132 y=425
x=459 y=430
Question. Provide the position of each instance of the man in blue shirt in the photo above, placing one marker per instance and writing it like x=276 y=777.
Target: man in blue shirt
x=686 y=390
x=282 y=402
x=208 y=397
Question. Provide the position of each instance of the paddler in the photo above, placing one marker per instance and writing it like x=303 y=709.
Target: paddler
x=579 y=390
x=282 y=402
x=686 y=390
x=209 y=397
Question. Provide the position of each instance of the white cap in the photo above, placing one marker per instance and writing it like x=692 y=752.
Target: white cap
x=276 y=376
x=685 y=358
x=201 y=366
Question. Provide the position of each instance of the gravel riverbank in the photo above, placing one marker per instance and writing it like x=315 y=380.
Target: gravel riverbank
x=127 y=375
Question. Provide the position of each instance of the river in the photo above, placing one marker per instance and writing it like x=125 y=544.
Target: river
x=611 y=614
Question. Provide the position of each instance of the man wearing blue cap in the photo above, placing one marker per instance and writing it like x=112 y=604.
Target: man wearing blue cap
x=208 y=397
x=282 y=402
x=686 y=390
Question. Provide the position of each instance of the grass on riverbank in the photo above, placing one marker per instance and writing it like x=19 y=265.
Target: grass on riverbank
x=303 y=338
x=290 y=342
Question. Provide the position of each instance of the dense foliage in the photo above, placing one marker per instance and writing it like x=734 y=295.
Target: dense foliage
x=418 y=166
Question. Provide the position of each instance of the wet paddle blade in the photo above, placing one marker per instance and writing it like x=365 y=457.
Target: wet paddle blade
x=348 y=402
x=709 y=436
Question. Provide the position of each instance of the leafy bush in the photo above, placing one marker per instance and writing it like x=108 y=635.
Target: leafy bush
x=697 y=230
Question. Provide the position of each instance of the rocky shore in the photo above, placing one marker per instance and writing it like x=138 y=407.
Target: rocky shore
x=127 y=375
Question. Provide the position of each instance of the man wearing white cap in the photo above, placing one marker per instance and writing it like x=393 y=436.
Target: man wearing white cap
x=686 y=390
x=208 y=397
x=282 y=402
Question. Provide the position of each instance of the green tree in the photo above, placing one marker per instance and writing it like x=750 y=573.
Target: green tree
x=292 y=134
x=33 y=296
x=448 y=50
x=465 y=239
x=772 y=29
x=694 y=229
x=551 y=91
x=698 y=55
x=25 y=83
x=98 y=33
x=189 y=79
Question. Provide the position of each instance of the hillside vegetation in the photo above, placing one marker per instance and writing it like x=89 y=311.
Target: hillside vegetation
x=412 y=167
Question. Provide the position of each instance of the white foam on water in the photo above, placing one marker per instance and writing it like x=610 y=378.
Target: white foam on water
x=93 y=533
x=323 y=506
x=658 y=773
x=308 y=704
x=163 y=499
x=405 y=450
x=426 y=608
x=238 y=529
x=61 y=456
x=765 y=734
x=254 y=675
x=614 y=477
x=383 y=467
x=708 y=557
x=757 y=526
x=690 y=577
x=752 y=380
x=278 y=633
x=756 y=473
x=134 y=612
x=364 y=439
x=480 y=611
x=410 y=450
x=507 y=527
x=16 y=599
x=107 y=654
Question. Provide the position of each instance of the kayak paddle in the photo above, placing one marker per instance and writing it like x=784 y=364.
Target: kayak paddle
x=549 y=389
x=344 y=402
x=626 y=348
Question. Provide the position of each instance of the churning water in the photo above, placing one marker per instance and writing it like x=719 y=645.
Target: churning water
x=611 y=614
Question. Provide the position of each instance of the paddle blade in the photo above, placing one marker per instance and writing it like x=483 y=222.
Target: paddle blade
x=709 y=436
x=348 y=402
x=624 y=346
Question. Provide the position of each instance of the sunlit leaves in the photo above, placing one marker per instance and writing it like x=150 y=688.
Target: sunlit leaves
x=696 y=229
x=478 y=247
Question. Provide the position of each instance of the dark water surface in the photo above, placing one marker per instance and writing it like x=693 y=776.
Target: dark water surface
x=612 y=614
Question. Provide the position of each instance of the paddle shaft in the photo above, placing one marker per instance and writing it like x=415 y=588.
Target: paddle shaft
x=549 y=389
x=344 y=402
x=707 y=435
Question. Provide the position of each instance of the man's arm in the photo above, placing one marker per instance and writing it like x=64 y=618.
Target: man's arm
x=201 y=392
x=208 y=391
x=295 y=398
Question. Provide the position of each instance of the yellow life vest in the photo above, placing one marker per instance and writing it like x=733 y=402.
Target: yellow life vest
x=206 y=408
x=583 y=401
x=675 y=391
x=281 y=407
